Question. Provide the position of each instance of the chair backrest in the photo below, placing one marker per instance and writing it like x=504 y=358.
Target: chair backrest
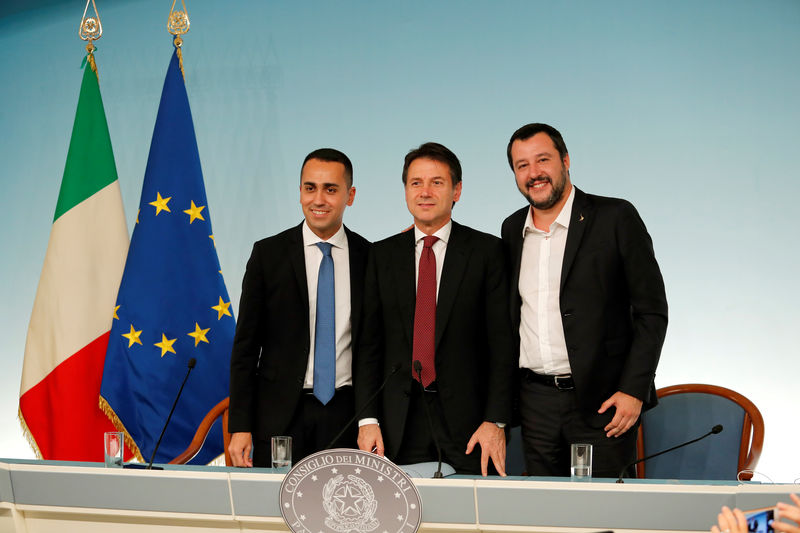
x=688 y=411
x=219 y=410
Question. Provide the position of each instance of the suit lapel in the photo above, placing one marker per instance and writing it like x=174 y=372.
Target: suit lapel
x=298 y=260
x=515 y=244
x=455 y=263
x=580 y=218
x=357 y=259
x=405 y=285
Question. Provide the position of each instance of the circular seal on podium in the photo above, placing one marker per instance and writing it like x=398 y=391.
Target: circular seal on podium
x=346 y=490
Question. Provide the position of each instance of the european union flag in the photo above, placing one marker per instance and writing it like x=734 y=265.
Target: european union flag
x=172 y=303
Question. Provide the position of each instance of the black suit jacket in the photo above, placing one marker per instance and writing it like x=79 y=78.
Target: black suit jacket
x=270 y=349
x=613 y=303
x=474 y=343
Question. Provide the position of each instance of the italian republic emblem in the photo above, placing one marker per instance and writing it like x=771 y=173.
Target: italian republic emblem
x=349 y=491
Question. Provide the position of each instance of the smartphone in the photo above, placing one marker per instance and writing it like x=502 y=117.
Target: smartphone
x=760 y=521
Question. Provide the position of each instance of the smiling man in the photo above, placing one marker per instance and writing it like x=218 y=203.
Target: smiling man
x=589 y=305
x=299 y=313
x=436 y=330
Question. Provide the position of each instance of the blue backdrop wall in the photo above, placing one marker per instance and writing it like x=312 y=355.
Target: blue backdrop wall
x=688 y=109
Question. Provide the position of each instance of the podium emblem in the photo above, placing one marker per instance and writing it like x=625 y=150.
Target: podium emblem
x=346 y=490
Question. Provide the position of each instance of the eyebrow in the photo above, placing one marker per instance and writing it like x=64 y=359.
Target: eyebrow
x=535 y=156
x=314 y=183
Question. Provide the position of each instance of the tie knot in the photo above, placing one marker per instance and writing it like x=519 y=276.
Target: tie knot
x=325 y=248
x=428 y=241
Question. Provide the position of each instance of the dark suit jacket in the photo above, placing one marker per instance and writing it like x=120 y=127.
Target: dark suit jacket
x=270 y=349
x=474 y=343
x=613 y=304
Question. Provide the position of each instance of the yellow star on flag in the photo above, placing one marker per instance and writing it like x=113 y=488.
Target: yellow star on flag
x=166 y=345
x=222 y=308
x=213 y=240
x=133 y=336
x=194 y=212
x=115 y=311
x=199 y=334
x=161 y=203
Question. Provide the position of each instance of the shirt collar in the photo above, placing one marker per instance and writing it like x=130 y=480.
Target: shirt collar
x=562 y=219
x=338 y=240
x=443 y=233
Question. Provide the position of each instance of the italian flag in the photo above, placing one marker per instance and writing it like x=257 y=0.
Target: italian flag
x=74 y=305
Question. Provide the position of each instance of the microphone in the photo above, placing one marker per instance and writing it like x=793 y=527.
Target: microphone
x=192 y=363
x=392 y=372
x=716 y=429
x=418 y=369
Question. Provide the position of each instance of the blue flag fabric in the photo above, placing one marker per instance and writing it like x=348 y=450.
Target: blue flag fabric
x=172 y=303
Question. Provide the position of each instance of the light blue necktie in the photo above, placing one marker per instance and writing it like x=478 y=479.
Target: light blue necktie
x=325 y=331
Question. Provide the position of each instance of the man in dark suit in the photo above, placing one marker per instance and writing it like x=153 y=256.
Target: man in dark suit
x=299 y=313
x=589 y=304
x=436 y=294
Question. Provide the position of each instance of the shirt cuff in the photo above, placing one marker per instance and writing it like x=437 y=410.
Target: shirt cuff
x=365 y=421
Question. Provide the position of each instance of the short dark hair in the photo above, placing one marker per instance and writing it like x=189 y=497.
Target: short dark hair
x=332 y=155
x=437 y=152
x=529 y=130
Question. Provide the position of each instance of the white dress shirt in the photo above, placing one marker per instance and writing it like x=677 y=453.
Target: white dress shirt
x=439 y=249
x=543 y=347
x=341 y=279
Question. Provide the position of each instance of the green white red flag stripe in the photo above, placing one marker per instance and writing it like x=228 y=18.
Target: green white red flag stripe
x=74 y=305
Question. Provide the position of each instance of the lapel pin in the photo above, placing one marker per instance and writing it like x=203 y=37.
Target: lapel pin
x=581 y=219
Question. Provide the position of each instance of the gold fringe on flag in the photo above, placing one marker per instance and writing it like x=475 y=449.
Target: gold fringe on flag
x=109 y=412
x=26 y=432
x=90 y=48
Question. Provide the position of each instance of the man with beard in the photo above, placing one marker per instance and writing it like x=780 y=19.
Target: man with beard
x=589 y=307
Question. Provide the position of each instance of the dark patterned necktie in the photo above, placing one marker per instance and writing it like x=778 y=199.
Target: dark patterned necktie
x=425 y=313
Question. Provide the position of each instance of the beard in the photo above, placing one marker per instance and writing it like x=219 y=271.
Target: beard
x=556 y=192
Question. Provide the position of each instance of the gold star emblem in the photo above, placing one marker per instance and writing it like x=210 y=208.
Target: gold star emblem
x=137 y=215
x=166 y=345
x=199 y=334
x=115 y=311
x=222 y=308
x=161 y=203
x=194 y=212
x=133 y=336
x=213 y=240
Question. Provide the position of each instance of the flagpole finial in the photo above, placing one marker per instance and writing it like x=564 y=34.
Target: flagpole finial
x=177 y=21
x=90 y=30
x=177 y=25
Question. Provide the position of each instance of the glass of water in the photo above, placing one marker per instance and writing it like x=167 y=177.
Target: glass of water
x=581 y=464
x=113 y=448
x=281 y=454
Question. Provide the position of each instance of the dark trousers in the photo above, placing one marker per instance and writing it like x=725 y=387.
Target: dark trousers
x=418 y=444
x=313 y=426
x=551 y=422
